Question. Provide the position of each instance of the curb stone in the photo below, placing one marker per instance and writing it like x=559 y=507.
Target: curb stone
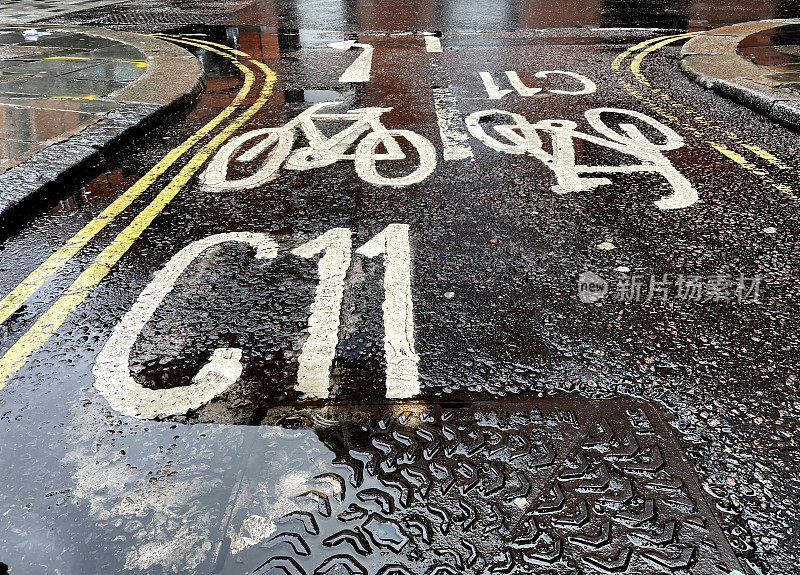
x=710 y=60
x=173 y=80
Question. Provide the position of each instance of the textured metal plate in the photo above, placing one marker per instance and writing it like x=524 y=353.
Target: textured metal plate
x=569 y=487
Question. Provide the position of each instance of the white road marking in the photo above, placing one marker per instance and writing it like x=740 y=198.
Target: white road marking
x=402 y=375
x=316 y=358
x=455 y=141
x=452 y=131
x=527 y=142
x=520 y=86
x=359 y=70
x=367 y=155
x=432 y=43
x=112 y=372
x=633 y=142
x=522 y=137
x=589 y=87
x=322 y=150
x=215 y=176
x=492 y=90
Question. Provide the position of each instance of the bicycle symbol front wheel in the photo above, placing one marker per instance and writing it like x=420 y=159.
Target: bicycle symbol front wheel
x=367 y=158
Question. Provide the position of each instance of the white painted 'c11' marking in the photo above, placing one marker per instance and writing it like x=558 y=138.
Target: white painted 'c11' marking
x=316 y=358
x=112 y=377
x=494 y=92
x=112 y=370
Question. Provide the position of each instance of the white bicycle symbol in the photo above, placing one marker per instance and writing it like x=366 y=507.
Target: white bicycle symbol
x=322 y=151
x=519 y=136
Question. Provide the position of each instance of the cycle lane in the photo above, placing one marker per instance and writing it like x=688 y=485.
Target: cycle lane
x=467 y=253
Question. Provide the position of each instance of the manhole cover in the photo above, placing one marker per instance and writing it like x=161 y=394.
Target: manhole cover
x=556 y=487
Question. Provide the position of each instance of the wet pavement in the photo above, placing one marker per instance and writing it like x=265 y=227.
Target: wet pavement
x=53 y=84
x=778 y=49
x=488 y=358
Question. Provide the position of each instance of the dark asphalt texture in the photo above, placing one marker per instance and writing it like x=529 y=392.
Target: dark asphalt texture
x=496 y=256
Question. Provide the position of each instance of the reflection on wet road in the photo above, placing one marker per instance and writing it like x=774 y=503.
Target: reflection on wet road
x=779 y=49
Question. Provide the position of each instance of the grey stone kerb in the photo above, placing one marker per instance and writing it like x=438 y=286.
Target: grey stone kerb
x=173 y=80
x=711 y=60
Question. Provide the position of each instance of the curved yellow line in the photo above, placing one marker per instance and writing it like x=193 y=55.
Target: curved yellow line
x=656 y=43
x=636 y=63
x=617 y=63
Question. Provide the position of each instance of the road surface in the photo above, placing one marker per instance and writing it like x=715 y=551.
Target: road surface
x=454 y=300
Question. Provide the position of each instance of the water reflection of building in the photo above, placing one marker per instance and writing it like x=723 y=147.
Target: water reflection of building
x=371 y=15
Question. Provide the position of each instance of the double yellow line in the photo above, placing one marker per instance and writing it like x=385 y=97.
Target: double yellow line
x=49 y=322
x=681 y=113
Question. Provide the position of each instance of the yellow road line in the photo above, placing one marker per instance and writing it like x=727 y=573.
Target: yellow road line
x=738 y=158
x=657 y=43
x=765 y=155
x=617 y=63
x=636 y=63
x=636 y=70
x=742 y=161
x=20 y=294
x=196 y=41
x=53 y=318
x=87 y=97
x=765 y=177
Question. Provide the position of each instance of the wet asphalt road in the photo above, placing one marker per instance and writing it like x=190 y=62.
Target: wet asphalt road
x=495 y=259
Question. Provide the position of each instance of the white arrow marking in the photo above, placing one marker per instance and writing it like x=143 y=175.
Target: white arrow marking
x=359 y=70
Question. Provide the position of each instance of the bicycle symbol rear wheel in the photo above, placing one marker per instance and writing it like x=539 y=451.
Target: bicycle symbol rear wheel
x=277 y=146
x=366 y=158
